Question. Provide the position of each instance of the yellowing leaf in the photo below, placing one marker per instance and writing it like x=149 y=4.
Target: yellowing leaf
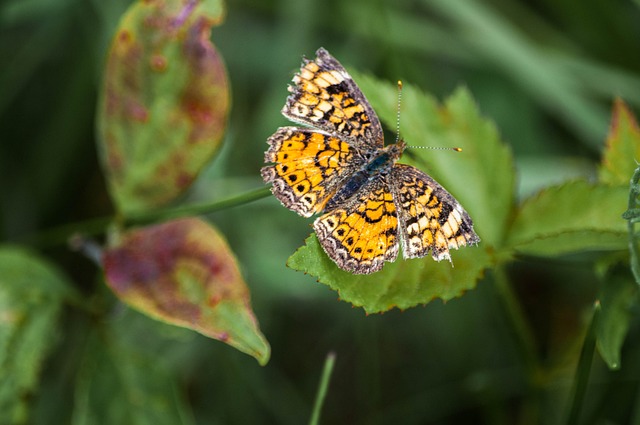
x=182 y=272
x=164 y=101
x=622 y=151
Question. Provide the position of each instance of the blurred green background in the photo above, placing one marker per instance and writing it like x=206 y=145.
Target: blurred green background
x=546 y=71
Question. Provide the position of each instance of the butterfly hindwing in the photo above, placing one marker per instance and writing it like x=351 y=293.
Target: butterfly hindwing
x=362 y=234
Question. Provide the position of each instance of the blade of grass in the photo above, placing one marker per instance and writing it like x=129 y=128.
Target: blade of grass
x=583 y=370
x=322 y=388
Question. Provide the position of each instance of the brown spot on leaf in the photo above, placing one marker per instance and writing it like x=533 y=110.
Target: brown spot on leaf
x=137 y=111
x=158 y=63
x=124 y=36
x=184 y=180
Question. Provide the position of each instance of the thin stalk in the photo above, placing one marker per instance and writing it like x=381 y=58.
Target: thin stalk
x=197 y=209
x=631 y=215
x=322 y=388
x=96 y=226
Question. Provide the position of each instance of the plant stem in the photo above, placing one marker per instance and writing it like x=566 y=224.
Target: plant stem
x=584 y=369
x=322 y=388
x=61 y=234
x=197 y=209
x=634 y=191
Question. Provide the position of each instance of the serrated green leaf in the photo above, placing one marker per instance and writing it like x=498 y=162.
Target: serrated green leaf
x=183 y=273
x=575 y=216
x=164 y=101
x=617 y=296
x=121 y=384
x=31 y=295
x=402 y=284
x=622 y=149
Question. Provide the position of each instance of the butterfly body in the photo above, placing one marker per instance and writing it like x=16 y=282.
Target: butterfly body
x=380 y=163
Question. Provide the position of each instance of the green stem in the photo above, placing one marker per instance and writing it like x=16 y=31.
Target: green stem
x=322 y=388
x=583 y=370
x=61 y=234
x=633 y=243
x=197 y=209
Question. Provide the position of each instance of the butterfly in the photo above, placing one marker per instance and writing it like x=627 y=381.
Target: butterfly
x=338 y=166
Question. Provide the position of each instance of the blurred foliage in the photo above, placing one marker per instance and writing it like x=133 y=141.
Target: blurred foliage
x=506 y=352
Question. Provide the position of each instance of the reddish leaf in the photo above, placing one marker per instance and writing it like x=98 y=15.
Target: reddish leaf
x=623 y=146
x=164 y=101
x=182 y=272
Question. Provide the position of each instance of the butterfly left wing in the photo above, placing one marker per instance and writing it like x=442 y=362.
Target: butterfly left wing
x=431 y=219
x=308 y=168
x=325 y=96
x=362 y=234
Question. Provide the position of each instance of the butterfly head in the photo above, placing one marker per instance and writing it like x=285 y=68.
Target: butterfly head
x=394 y=151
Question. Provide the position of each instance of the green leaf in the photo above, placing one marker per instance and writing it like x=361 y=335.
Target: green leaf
x=163 y=103
x=402 y=284
x=182 y=272
x=31 y=295
x=575 y=216
x=623 y=146
x=616 y=298
x=481 y=177
x=122 y=384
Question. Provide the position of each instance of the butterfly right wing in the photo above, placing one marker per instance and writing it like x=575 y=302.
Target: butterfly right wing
x=431 y=219
x=308 y=168
x=325 y=96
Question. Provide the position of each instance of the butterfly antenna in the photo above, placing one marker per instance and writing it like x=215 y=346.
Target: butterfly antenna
x=398 y=127
x=398 y=112
x=439 y=148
